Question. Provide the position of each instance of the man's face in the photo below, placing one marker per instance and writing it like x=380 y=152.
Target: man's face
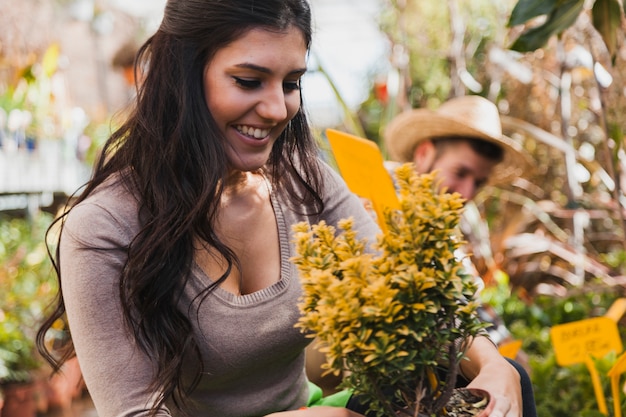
x=459 y=167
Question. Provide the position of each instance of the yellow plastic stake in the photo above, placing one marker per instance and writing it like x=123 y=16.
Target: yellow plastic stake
x=578 y=341
x=615 y=313
x=597 y=385
x=360 y=163
x=617 y=310
x=618 y=368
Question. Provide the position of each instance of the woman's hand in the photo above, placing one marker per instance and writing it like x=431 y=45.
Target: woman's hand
x=489 y=370
x=321 y=411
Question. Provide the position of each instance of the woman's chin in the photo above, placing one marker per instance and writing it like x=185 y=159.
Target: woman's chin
x=248 y=164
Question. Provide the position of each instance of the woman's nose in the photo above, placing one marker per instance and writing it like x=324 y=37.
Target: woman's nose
x=273 y=105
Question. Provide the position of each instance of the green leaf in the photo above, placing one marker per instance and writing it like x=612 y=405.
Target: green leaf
x=525 y=10
x=561 y=18
x=606 y=19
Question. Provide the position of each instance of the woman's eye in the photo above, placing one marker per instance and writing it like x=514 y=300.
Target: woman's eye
x=291 y=85
x=251 y=84
x=247 y=84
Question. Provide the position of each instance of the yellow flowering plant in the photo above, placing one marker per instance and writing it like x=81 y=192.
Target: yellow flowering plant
x=395 y=316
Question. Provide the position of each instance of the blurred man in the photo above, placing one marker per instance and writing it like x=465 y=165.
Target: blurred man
x=462 y=140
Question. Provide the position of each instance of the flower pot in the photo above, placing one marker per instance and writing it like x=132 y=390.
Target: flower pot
x=41 y=394
x=19 y=400
x=65 y=386
x=470 y=402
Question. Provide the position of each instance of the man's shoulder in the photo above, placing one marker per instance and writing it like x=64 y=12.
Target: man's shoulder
x=391 y=166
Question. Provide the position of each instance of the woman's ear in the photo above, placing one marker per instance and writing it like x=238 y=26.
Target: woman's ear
x=424 y=156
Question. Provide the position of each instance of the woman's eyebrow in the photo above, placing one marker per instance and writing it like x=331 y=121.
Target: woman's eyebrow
x=265 y=70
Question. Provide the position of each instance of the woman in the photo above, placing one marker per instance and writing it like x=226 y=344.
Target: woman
x=174 y=260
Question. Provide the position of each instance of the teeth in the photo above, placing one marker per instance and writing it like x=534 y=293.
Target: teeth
x=254 y=132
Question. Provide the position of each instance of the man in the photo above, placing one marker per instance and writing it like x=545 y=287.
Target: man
x=462 y=140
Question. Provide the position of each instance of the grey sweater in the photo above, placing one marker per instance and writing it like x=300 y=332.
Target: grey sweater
x=253 y=357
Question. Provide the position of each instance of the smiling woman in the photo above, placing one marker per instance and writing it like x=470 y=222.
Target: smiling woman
x=184 y=268
x=174 y=260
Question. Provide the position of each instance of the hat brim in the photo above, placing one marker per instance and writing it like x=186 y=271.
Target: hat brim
x=409 y=129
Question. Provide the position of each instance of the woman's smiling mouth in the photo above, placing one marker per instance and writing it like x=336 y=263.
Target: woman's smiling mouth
x=253 y=131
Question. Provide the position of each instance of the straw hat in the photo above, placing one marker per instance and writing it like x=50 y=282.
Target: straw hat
x=467 y=116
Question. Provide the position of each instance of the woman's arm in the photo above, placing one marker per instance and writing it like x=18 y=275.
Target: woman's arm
x=93 y=250
x=488 y=370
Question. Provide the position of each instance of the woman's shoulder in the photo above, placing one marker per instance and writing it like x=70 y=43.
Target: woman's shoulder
x=332 y=179
x=111 y=206
x=113 y=195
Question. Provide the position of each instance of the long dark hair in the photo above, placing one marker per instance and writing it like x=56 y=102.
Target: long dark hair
x=171 y=153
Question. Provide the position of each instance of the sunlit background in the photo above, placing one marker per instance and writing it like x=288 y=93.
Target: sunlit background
x=79 y=80
x=347 y=44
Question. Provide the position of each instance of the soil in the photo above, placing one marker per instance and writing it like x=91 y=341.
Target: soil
x=467 y=403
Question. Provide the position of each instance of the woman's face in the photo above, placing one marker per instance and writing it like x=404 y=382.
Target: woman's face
x=252 y=87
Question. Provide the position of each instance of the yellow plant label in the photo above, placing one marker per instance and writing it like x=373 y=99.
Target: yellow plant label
x=574 y=342
x=510 y=349
x=361 y=165
x=619 y=367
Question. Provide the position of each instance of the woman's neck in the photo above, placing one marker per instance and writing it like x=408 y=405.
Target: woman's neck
x=238 y=180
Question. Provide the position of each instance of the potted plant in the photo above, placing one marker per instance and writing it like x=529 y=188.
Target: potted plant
x=18 y=385
x=394 y=321
x=26 y=288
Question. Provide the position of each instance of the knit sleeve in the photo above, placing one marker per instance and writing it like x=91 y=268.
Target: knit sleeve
x=93 y=251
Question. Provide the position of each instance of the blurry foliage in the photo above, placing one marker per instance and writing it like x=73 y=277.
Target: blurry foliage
x=421 y=34
x=561 y=223
x=531 y=320
x=27 y=285
x=575 y=96
x=36 y=101
x=560 y=16
x=98 y=133
x=31 y=94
